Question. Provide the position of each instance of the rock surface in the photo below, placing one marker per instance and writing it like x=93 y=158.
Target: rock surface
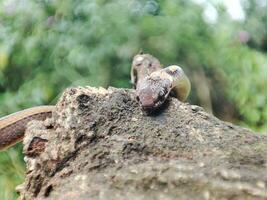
x=100 y=145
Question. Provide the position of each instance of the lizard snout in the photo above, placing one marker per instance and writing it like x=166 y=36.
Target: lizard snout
x=145 y=98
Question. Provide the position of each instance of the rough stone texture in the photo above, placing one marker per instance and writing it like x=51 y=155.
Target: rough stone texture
x=100 y=145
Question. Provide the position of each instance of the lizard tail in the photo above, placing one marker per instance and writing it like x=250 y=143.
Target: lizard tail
x=12 y=127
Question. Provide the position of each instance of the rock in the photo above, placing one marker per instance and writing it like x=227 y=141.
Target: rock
x=100 y=145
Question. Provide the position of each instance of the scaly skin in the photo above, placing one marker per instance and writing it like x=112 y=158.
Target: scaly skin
x=142 y=66
x=12 y=127
x=181 y=85
x=154 y=86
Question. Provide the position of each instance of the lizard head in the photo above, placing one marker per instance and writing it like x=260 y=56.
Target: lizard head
x=152 y=93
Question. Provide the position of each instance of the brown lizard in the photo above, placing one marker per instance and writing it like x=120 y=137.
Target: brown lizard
x=153 y=85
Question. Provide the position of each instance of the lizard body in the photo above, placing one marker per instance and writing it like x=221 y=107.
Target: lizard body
x=142 y=66
x=152 y=83
x=181 y=85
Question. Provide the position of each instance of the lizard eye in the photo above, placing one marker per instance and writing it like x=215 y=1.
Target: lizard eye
x=137 y=98
x=161 y=96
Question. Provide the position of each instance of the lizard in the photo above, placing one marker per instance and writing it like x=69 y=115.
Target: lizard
x=153 y=85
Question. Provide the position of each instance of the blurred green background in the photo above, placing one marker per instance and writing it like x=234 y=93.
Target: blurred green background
x=48 y=45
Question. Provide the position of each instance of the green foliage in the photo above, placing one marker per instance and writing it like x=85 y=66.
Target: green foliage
x=255 y=23
x=12 y=171
x=46 y=46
